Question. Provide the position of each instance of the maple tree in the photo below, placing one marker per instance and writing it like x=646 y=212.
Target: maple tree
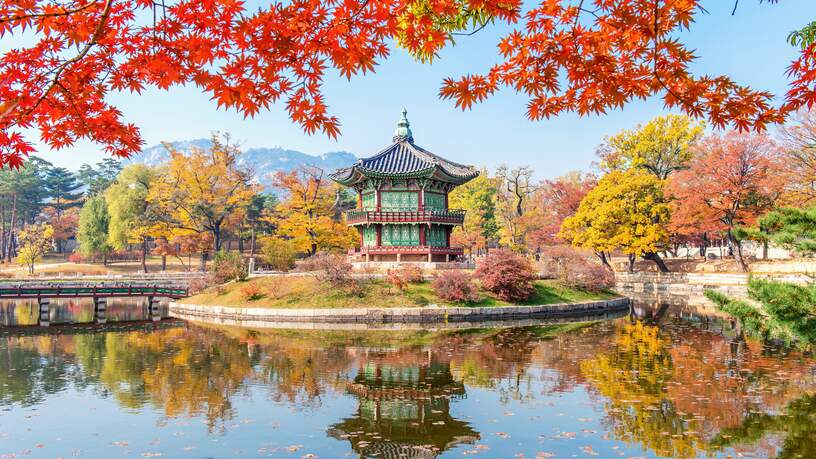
x=799 y=164
x=733 y=179
x=556 y=200
x=583 y=56
x=626 y=210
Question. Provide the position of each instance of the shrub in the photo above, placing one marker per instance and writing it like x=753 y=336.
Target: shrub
x=251 y=292
x=574 y=269
x=75 y=257
x=404 y=275
x=198 y=285
x=278 y=253
x=228 y=266
x=328 y=267
x=455 y=286
x=508 y=275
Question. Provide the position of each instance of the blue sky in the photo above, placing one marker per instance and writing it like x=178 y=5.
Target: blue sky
x=750 y=47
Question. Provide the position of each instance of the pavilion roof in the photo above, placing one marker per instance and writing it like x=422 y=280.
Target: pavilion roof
x=404 y=159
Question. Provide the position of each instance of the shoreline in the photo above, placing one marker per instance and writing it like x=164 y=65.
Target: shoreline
x=397 y=315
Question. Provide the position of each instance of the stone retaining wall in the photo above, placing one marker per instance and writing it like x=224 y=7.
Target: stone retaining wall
x=693 y=285
x=430 y=314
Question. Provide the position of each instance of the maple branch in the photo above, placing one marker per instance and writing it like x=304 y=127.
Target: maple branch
x=85 y=50
x=64 y=12
x=471 y=33
x=690 y=106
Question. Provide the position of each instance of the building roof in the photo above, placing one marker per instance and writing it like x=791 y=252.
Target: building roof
x=404 y=159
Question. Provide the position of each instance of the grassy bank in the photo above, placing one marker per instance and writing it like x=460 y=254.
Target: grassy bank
x=308 y=292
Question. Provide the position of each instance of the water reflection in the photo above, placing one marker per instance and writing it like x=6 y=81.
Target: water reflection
x=76 y=311
x=669 y=386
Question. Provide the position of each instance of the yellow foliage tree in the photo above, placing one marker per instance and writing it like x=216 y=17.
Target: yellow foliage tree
x=309 y=213
x=35 y=241
x=478 y=199
x=625 y=211
x=201 y=192
x=661 y=146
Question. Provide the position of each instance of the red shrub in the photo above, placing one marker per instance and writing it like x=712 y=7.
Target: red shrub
x=251 y=292
x=404 y=275
x=506 y=274
x=75 y=257
x=327 y=267
x=574 y=269
x=455 y=286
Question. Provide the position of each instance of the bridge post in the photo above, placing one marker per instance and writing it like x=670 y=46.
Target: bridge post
x=100 y=310
x=153 y=306
x=44 y=319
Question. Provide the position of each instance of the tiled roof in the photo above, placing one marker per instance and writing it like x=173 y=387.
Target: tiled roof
x=404 y=158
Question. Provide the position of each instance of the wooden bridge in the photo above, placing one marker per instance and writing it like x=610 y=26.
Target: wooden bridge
x=99 y=294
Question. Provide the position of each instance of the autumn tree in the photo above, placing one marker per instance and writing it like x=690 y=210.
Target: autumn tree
x=585 y=57
x=732 y=180
x=627 y=211
x=92 y=233
x=35 y=241
x=201 y=191
x=132 y=218
x=64 y=224
x=798 y=140
x=306 y=213
x=661 y=146
x=514 y=188
x=555 y=200
x=478 y=199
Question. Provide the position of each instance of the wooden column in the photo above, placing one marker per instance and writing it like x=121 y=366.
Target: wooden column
x=44 y=318
x=100 y=310
x=422 y=235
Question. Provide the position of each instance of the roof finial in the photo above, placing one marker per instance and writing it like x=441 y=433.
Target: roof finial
x=403 y=131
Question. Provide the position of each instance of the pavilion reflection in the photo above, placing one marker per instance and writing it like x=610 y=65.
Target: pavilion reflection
x=404 y=406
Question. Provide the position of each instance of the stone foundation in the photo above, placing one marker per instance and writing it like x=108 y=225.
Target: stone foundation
x=397 y=315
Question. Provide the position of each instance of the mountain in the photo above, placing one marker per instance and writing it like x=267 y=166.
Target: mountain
x=263 y=162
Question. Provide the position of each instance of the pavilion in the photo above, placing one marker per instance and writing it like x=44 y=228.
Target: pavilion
x=403 y=212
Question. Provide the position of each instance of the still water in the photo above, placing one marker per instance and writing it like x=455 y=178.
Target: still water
x=676 y=384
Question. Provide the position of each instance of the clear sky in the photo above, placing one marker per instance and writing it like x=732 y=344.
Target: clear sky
x=750 y=47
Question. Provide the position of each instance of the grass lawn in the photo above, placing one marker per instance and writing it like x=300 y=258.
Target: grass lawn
x=308 y=292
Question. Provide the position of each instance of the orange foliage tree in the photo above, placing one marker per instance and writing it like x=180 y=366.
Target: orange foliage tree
x=556 y=200
x=732 y=180
x=581 y=56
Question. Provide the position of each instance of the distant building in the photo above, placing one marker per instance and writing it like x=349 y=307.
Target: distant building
x=403 y=212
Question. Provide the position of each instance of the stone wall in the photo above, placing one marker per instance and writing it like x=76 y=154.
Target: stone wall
x=430 y=314
x=691 y=286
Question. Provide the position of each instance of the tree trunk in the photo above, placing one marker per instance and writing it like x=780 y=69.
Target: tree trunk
x=252 y=242
x=631 y=263
x=203 y=266
x=144 y=255
x=164 y=262
x=10 y=243
x=604 y=260
x=736 y=249
x=653 y=256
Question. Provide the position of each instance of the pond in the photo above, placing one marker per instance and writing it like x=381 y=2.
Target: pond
x=679 y=383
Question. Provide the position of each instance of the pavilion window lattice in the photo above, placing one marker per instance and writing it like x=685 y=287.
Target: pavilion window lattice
x=399 y=200
x=400 y=235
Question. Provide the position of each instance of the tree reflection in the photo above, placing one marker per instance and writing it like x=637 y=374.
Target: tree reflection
x=797 y=424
